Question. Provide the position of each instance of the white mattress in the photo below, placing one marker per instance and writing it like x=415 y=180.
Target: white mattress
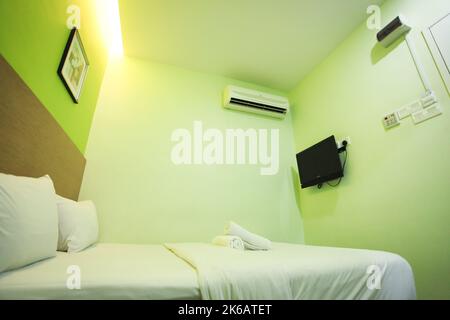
x=108 y=271
x=291 y=271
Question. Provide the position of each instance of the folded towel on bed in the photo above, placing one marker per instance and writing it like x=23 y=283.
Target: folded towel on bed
x=251 y=241
x=229 y=241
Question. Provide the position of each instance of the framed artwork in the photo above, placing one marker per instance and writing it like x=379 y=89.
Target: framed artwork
x=438 y=40
x=74 y=65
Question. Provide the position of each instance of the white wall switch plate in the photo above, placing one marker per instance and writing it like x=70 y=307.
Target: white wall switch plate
x=409 y=109
x=427 y=113
x=391 y=120
x=429 y=100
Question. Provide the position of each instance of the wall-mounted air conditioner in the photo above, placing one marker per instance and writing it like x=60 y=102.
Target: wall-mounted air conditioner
x=247 y=100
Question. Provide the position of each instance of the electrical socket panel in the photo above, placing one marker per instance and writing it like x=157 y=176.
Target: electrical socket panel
x=420 y=110
x=339 y=142
x=391 y=120
x=428 y=113
x=409 y=109
x=417 y=106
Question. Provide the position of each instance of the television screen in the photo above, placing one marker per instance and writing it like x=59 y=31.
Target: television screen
x=319 y=163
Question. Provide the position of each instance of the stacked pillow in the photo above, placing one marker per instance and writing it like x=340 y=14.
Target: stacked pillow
x=78 y=226
x=35 y=222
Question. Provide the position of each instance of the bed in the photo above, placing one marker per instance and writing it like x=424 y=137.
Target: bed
x=203 y=271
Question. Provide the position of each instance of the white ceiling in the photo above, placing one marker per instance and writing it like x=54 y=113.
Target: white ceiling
x=274 y=43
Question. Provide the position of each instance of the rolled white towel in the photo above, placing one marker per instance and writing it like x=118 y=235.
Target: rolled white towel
x=229 y=241
x=251 y=241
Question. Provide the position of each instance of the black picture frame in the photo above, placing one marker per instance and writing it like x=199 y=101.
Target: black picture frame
x=74 y=65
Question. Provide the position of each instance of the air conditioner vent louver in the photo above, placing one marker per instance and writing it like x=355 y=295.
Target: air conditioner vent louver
x=257 y=105
x=255 y=102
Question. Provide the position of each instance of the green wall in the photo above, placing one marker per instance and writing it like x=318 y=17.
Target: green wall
x=33 y=35
x=142 y=197
x=395 y=194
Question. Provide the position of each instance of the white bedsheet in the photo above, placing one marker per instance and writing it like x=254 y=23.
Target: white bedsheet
x=296 y=272
x=108 y=271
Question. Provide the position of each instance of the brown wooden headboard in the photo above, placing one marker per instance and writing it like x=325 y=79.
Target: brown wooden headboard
x=31 y=141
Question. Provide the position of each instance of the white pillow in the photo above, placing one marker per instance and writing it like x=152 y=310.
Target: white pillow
x=62 y=200
x=78 y=226
x=28 y=220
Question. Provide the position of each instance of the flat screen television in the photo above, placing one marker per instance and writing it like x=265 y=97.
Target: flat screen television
x=319 y=163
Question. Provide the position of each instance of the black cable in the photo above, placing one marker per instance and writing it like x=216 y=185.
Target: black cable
x=343 y=168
